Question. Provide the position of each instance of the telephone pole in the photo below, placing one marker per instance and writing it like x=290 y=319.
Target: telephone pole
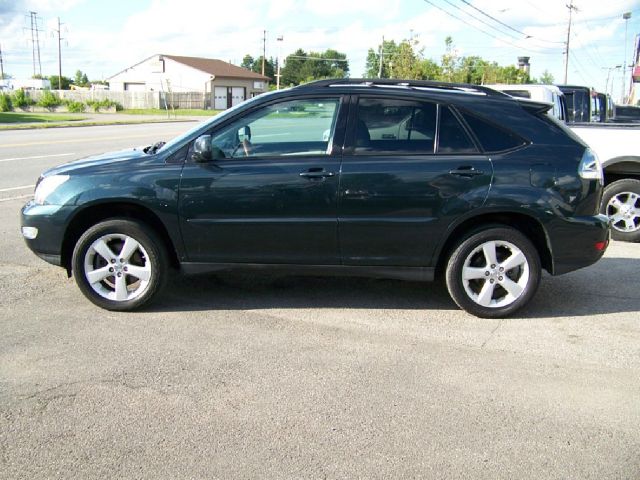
x=626 y=16
x=59 y=31
x=566 y=60
x=381 y=58
x=264 y=48
x=35 y=43
x=1 y=65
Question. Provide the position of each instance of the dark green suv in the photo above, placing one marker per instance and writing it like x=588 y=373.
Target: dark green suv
x=408 y=180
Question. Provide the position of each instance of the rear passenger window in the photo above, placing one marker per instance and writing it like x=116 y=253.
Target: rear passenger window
x=395 y=126
x=452 y=137
x=491 y=137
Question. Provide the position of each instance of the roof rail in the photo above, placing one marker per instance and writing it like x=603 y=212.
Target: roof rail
x=388 y=82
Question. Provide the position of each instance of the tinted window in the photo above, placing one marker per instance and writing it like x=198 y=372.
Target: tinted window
x=396 y=126
x=297 y=127
x=491 y=137
x=452 y=138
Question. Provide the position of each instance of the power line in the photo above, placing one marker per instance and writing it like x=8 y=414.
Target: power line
x=504 y=24
x=482 y=21
x=471 y=25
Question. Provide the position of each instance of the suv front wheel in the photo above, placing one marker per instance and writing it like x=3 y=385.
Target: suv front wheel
x=119 y=264
x=493 y=272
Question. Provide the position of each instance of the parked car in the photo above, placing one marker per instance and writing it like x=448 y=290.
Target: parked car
x=415 y=180
x=615 y=144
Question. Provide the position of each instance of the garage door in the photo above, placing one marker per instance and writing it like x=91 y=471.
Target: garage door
x=220 y=98
x=237 y=95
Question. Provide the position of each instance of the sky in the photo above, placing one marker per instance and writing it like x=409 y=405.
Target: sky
x=101 y=38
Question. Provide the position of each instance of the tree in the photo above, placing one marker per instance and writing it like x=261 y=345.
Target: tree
x=546 y=78
x=247 y=62
x=269 y=67
x=389 y=50
x=301 y=66
x=66 y=82
x=81 y=79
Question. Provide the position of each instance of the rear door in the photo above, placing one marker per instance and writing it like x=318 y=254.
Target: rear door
x=409 y=170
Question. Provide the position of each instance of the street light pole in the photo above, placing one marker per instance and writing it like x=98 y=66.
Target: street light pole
x=609 y=69
x=626 y=16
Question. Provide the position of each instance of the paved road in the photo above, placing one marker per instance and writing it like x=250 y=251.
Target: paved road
x=242 y=377
x=24 y=154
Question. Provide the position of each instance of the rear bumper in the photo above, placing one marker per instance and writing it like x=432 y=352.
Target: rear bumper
x=578 y=242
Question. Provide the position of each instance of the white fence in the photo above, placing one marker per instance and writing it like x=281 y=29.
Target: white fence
x=129 y=99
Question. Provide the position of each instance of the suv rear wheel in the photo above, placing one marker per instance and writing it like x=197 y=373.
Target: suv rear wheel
x=119 y=264
x=493 y=272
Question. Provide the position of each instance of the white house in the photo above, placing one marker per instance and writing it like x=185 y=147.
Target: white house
x=226 y=84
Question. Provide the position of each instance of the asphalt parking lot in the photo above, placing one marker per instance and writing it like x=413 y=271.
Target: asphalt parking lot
x=266 y=377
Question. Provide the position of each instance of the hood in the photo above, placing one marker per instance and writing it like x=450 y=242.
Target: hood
x=101 y=160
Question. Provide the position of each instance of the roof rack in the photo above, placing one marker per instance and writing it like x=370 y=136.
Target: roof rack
x=415 y=84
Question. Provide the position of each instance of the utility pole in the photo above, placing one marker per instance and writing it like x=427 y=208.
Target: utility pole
x=58 y=31
x=381 y=58
x=35 y=42
x=1 y=65
x=566 y=60
x=279 y=39
x=626 y=16
x=264 y=48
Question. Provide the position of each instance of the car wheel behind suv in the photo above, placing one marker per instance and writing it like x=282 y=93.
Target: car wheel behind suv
x=119 y=264
x=493 y=272
x=621 y=203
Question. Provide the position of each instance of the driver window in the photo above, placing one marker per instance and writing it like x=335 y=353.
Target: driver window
x=297 y=127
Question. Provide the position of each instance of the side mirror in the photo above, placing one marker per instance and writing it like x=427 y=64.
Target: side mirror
x=202 y=149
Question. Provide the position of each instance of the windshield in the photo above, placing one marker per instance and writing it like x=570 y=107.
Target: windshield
x=180 y=139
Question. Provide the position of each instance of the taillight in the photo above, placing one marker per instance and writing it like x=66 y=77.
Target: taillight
x=590 y=168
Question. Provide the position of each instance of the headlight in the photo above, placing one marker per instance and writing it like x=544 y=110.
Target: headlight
x=590 y=168
x=47 y=186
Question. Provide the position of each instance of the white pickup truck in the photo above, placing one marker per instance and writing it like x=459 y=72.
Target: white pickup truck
x=617 y=145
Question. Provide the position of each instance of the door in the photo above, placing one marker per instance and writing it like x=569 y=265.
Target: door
x=409 y=170
x=220 y=98
x=237 y=95
x=271 y=196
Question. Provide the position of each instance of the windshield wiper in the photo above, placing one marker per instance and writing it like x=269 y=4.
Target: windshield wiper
x=151 y=149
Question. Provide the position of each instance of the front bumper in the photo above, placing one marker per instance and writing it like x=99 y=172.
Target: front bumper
x=48 y=223
x=577 y=242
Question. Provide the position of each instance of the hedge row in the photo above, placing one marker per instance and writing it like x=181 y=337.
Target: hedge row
x=50 y=101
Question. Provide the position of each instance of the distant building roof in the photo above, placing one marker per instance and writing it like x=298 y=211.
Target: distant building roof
x=216 y=67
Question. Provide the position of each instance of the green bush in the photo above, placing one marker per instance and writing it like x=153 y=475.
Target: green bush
x=5 y=103
x=75 y=107
x=22 y=100
x=106 y=103
x=49 y=100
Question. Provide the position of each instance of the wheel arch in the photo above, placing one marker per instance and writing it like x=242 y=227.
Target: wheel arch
x=93 y=214
x=525 y=224
x=620 y=168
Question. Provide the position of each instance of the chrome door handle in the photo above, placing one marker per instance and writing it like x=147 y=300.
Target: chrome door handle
x=466 y=172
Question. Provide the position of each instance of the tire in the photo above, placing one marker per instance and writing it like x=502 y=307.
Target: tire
x=621 y=203
x=114 y=282
x=493 y=272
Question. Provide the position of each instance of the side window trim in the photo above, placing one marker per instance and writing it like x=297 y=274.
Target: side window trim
x=350 y=136
x=336 y=141
x=467 y=130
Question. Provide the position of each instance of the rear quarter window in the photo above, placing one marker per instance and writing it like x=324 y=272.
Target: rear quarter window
x=492 y=138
